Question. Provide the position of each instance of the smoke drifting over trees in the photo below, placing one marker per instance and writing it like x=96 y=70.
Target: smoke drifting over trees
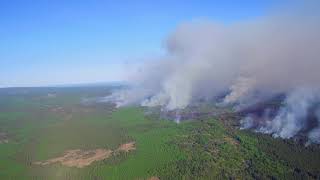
x=251 y=60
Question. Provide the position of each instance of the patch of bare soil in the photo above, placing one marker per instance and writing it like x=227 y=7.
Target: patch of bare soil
x=127 y=147
x=81 y=158
x=153 y=178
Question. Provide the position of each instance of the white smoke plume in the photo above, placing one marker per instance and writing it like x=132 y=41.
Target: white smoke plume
x=276 y=53
x=293 y=116
x=314 y=134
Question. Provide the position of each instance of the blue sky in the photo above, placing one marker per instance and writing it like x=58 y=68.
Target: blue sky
x=48 y=42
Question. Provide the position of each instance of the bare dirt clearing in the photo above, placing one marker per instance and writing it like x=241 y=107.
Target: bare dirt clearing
x=154 y=178
x=81 y=158
x=127 y=147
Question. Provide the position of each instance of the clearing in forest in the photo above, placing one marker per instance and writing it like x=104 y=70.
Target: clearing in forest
x=81 y=158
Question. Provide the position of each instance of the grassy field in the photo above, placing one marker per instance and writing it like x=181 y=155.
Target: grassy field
x=41 y=126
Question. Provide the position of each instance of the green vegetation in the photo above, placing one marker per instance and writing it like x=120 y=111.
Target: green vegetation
x=40 y=127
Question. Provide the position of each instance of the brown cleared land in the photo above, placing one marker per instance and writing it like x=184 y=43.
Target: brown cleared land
x=154 y=178
x=127 y=147
x=81 y=158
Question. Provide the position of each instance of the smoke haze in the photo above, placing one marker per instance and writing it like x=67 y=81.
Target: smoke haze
x=251 y=60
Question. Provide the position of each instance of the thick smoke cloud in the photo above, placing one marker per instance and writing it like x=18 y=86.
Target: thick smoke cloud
x=251 y=60
x=314 y=134
x=293 y=117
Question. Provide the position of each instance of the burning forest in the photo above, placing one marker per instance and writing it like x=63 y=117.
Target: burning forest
x=249 y=62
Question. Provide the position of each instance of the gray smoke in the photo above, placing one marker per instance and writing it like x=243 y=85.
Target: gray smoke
x=314 y=135
x=293 y=116
x=277 y=53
